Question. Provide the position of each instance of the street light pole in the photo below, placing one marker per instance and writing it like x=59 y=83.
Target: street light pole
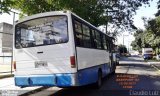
x=129 y=43
x=14 y=13
x=123 y=43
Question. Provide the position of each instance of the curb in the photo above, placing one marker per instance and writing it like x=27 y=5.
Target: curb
x=154 y=66
x=6 y=76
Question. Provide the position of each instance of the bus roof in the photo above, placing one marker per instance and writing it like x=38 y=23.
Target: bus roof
x=45 y=14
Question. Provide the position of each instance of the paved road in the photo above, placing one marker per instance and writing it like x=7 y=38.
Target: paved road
x=133 y=75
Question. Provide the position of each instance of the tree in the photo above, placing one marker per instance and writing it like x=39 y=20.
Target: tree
x=126 y=10
x=95 y=11
x=158 y=7
x=150 y=37
x=122 y=49
x=154 y=28
x=89 y=10
x=137 y=43
x=5 y=6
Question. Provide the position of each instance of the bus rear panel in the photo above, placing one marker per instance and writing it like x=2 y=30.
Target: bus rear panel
x=44 y=53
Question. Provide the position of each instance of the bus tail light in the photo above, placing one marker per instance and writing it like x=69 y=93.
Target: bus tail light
x=72 y=61
x=14 y=65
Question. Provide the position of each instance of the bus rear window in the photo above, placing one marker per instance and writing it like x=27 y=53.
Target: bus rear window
x=41 y=32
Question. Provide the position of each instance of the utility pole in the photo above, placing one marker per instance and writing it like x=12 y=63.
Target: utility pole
x=14 y=13
x=123 y=43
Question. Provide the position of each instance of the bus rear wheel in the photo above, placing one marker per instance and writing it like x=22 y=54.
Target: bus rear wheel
x=99 y=81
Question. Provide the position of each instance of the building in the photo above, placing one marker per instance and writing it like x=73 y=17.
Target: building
x=6 y=37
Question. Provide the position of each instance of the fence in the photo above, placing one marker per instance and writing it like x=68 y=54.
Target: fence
x=5 y=60
x=6 y=42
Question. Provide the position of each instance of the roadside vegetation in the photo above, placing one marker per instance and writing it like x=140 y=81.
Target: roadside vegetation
x=148 y=38
x=118 y=13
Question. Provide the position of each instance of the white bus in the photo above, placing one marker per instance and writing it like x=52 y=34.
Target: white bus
x=60 y=49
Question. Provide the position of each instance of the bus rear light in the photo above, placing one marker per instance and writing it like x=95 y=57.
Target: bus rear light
x=14 y=65
x=72 y=61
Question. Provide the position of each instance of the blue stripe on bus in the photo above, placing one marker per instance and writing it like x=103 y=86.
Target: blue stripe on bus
x=90 y=75
x=64 y=80
x=44 y=80
x=48 y=80
x=83 y=77
x=87 y=76
x=41 y=80
x=21 y=81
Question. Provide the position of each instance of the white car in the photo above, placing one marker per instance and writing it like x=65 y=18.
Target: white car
x=158 y=57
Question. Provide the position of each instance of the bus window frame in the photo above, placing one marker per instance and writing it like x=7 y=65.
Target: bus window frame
x=15 y=36
x=92 y=35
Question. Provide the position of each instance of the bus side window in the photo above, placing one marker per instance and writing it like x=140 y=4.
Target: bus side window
x=93 y=38
x=78 y=33
x=105 y=42
x=98 y=39
x=110 y=45
x=86 y=36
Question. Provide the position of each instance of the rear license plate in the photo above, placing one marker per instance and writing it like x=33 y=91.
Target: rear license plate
x=39 y=64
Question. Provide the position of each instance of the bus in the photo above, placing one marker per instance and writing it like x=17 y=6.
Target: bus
x=60 y=49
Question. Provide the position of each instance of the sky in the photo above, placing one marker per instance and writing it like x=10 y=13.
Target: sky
x=128 y=38
x=138 y=22
x=8 y=18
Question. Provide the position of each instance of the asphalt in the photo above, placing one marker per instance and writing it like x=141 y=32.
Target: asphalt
x=155 y=65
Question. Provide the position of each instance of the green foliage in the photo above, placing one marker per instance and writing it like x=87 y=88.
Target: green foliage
x=150 y=37
x=158 y=7
x=5 y=6
x=122 y=49
x=137 y=43
x=89 y=10
x=97 y=12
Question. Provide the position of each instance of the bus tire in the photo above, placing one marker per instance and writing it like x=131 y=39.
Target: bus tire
x=113 y=72
x=99 y=81
x=117 y=62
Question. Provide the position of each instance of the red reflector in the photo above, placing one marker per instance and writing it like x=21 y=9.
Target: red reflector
x=72 y=61
x=14 y=65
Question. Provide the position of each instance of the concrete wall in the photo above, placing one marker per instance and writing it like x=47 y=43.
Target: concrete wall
x=6 y=42
x=6 y=37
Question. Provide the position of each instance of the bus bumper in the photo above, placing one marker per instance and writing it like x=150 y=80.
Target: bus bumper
x=60 y=80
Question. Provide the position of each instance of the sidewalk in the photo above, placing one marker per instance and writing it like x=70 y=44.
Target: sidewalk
x=5 y=71
x=155 y=65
